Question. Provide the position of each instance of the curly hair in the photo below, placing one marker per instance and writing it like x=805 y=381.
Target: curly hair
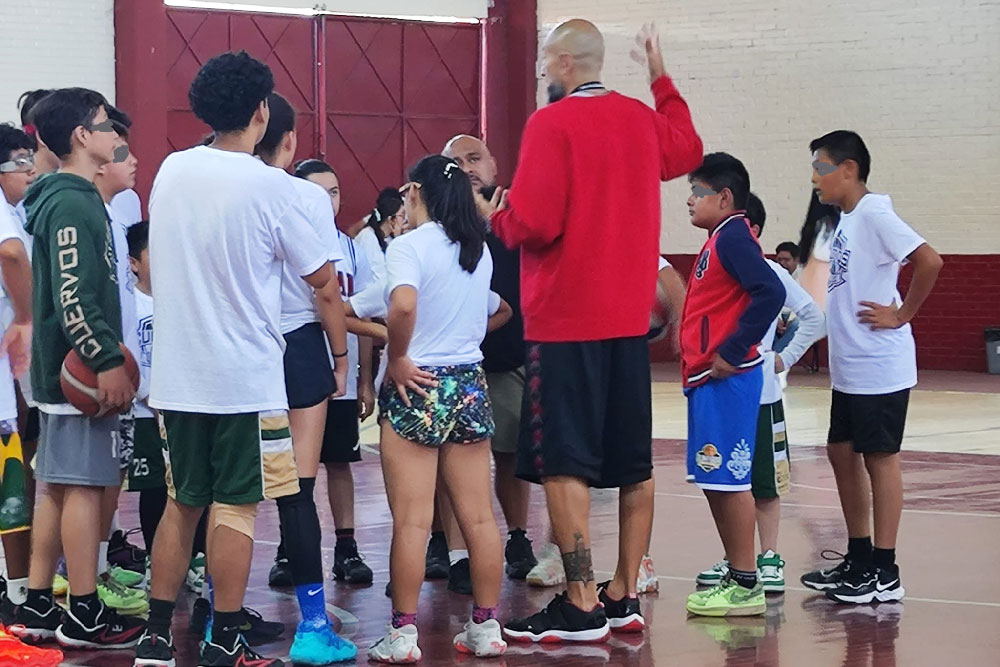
x=228 y=89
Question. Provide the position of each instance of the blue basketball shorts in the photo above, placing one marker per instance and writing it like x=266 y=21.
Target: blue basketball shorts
x=722 y=430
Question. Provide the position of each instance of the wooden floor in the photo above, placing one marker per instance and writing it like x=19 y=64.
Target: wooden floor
x=948 y=554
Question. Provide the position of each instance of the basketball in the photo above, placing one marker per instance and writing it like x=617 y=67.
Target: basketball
x=79 y=383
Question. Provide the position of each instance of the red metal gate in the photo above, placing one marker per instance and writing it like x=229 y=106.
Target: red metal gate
x=389 y=91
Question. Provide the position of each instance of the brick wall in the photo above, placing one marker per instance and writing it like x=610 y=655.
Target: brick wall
x=917 y=80
x=55 y=43
x=949 y=327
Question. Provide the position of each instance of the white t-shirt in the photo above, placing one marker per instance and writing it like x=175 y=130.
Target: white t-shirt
x=298 y=300
x=797 y=300
x=354 y=275
x=452 y=304
x=21 y=217
x=126 y=286
x=221 y=225
x=868 y=247
x=663 y=264
x=368 y=241
x=144 y=336
x=10 y=228
x=127 y=202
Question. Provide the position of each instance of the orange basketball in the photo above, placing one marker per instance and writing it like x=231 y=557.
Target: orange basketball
x=79 y=383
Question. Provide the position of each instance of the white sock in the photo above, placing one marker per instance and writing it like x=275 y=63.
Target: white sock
x=17 y=590
x=456 y=555
x=115 y=526
x=102 y=558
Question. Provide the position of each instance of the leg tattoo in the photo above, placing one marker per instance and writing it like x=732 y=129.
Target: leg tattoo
x=577 y=563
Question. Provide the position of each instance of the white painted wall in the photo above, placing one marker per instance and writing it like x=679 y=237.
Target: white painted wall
x=55 y=43
x=920 y=81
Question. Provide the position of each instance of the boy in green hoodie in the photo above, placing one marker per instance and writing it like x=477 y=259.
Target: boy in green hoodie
x=76 y=307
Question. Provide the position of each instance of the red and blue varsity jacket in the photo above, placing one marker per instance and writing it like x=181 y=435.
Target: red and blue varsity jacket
x=732 y=298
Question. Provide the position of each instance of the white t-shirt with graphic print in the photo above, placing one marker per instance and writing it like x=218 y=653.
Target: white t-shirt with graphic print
x=868 y=248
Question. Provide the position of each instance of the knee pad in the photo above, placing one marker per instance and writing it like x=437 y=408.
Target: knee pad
x=236 y=517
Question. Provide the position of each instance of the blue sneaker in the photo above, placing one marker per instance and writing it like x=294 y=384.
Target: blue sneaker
x=320 y=646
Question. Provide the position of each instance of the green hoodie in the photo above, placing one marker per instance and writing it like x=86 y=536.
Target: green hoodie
x=75 y=298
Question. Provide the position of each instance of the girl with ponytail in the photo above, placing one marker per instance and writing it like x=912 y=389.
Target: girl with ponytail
x=434 y=402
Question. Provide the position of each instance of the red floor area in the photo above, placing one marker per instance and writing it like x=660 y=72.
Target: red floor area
x=948 y=552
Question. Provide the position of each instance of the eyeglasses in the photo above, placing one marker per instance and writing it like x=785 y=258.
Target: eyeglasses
x=21 y=163
x=104 y=126
x=824 y=168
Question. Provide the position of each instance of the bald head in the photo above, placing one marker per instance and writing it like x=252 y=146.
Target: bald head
x=474 y=158
x=579 y=39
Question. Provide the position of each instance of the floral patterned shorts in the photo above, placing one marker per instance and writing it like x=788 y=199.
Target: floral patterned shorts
x=457 y=410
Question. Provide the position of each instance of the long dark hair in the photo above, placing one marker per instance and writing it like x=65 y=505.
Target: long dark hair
x=387 y=204
x=447 y=194
x=818 y=215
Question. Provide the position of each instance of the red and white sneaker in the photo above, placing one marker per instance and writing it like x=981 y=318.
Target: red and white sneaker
x=647 y=582
x=483 y=640
x=397 y=647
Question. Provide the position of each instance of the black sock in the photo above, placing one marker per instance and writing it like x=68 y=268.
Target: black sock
x=345 y=535
x=85 y=608
x=301 y=530
x=744 y=579
x=39 y=599
x=198 y=547
x=884 y=558
x=152 y=503
x=860 y=549
x=161 y=614
x=438 y=535
x=226 y=627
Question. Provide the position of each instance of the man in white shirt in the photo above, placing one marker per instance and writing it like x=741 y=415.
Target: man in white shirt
x=222 y=226
x=873 y=365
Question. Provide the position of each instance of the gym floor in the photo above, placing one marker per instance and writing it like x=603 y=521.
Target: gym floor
x=948 y=549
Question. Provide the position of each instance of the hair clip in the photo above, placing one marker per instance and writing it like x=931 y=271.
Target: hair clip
x=29 y=128
x=377 y=215
x=448 y=167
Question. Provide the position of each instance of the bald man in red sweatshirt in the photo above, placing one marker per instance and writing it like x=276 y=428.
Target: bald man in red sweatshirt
x=584 y=209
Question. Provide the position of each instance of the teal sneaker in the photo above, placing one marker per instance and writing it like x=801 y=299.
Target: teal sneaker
x=727 y=598
x=320 y=646
x=196 y=573
x=771 y=572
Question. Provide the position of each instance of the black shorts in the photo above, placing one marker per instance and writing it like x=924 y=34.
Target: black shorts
x=31 y=428
x=871 y=423
x=341 y=438
x=308 y=375
x=587 y=412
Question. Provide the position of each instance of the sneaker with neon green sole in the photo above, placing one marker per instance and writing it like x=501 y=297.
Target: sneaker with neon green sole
x=127 y=578
x=60 y=585
x=727 y=598
x=771 y=572
x=125 y=601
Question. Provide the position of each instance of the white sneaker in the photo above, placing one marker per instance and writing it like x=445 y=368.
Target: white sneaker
x=714 y=574
x=647 y=582
x=549 y=571
x=398 y=646
x=484 y=640
x=196 y=573
x=771 y=572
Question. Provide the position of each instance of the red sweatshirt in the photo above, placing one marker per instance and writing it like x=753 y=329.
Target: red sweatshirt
x=585 y=210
